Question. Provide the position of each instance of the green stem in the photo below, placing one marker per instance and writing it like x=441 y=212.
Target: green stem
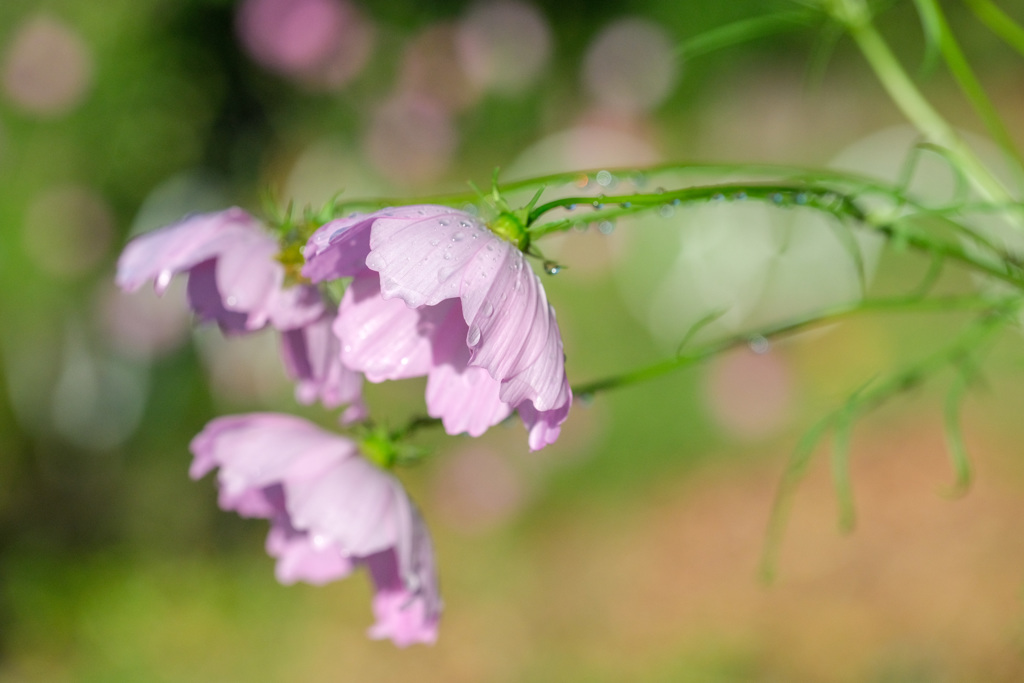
x=999 y=23
x=968 y=81
x=821 y=317
x=971 y=339
x=912 y=103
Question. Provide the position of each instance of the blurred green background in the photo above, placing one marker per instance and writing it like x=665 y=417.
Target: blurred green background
x=628 y=550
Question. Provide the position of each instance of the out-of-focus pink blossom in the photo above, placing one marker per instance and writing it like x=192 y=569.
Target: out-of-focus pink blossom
x=233 y=276
x=321 y=43
x=435 y=293
x=411 y=139
x=503 y=45
x=47 y=67
x=235 y=280
x=630 y=66
x=330 y=510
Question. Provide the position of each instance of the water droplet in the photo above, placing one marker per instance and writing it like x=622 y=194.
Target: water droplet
x=759 y=344
x=487 y=310
x=163 y=279
x=231 y=300
x=447 y=256
x=444 y=222
x=552 y=268
x=457 y=237
x=336 y=234
x=659 y=190
x=434 y=243
x=464 y=224
x=473 y=338
x=598 y=204
x=490 y=246
x=677 y=201
x=604 y=178
x=626 y=205
x=374 y=261
x=606 y=227
x=777 y=197
x=801 y=198
x=666 y=211
x=445 y=273
x=570 y=207
x=717 y=197
x=420 y=212
x=740 y=196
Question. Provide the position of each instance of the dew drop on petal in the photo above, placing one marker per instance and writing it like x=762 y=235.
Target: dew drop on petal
x=447 y=256
x=163 y=280
x=606 y=227
x=473 y=338
x=375 y=261
x=487 y=310
x=434 y=243
x=457 y=237
x=444 y=222
x=464 y=224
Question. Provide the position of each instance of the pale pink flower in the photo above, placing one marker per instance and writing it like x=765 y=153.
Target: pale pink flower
x=435 y=293
x=331 y=510
x=235 y=280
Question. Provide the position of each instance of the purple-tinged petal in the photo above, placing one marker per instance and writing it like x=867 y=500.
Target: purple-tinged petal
x=205 y=299
x=384 y=339
x=465 y=398
x=421 y=252
x=352 y=505
x=511 y=329
x=260 y=449
x=301 y=558
x=312 y=357
x=544 y=427
x=158 y=255
x=338 y=249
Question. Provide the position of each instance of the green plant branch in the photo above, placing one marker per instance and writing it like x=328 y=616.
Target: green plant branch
x=855 y=16
x=968 y=81
x=998 y=22
x=831 y=314
x=968 y=343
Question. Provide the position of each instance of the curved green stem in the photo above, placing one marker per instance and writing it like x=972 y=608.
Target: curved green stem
x=821 y=317
x=912 y=103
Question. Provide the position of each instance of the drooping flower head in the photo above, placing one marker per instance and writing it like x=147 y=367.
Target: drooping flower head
x=235 y=280
x=436 y=293
x=331 y=510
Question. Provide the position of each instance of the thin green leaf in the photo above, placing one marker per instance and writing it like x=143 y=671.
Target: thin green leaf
x=698 y=326
x=999 y=23
x=933 y=18
x=745 y=30
x=849 y=242
x=796 y=469
x=841 y=464
x=931 y=25
x=954 y=436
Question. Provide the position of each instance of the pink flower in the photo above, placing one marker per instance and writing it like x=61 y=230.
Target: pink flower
x=435 y=293
x=235 y=279
x=330 y=510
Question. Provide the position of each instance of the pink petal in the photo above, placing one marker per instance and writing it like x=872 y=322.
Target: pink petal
x=158 y=255
x=384 y=339
x=260 y=449
x=465 y=398
x=312 y=357
x=205 y=299
x=351 y=504
x=299 y=558
x=338 y=249
x=544 y=427
x=511 y=331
